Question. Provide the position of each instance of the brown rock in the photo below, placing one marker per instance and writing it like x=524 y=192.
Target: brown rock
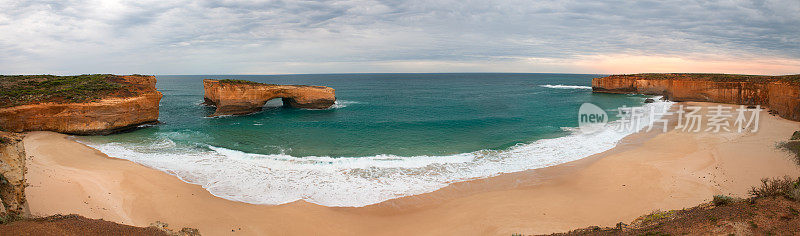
x=104 y=116
x=780 y=93
x=12 y=173
x=244 y=97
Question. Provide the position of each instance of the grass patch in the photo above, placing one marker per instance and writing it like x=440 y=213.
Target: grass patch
x=657 y=216
x=792 y=147
x=237 y=81
x=720 y=200
x=720 y=77
x=775 y=187
x=9 y=217
x=795 y=135
x=27 y=89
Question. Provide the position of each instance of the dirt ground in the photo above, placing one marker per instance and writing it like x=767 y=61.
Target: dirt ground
x=762 y=216
x=74 y=225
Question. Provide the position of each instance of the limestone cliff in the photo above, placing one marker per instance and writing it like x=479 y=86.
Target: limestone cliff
x=238 y=97
x=12 y=174
x=780 y=93
x=89 y=104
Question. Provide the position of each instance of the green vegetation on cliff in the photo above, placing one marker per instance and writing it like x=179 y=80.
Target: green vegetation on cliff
x=18 y=90
x=719 y=77
x=240 y=81
x=237 y=81
x=772 y=209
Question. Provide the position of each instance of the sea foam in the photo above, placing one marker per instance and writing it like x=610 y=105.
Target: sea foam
x=354 y=181
x=342 y=104
x=561 y=86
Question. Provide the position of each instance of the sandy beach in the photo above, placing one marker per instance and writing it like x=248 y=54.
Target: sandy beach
x=646 y=172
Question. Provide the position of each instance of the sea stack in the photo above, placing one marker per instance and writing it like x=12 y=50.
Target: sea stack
x=83 y=104
x=780 y=93
x=241 y=97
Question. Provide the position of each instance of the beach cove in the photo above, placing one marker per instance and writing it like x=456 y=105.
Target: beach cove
x=645 y=172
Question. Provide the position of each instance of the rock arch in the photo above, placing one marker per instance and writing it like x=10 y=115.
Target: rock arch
x=239 y=97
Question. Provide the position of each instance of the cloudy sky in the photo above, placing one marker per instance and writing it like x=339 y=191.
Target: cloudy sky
x=341 y=36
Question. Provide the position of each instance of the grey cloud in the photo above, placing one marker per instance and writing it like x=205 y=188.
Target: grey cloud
x=232 y=36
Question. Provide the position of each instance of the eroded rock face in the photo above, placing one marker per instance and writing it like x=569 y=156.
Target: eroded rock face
x=99 y=117
x=12 y=174
x=778 y=94
x=246 y=98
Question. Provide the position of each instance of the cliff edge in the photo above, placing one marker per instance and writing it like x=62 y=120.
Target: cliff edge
x=780 y=93
x=12 y=174
x=84 y=104
x=240 y=97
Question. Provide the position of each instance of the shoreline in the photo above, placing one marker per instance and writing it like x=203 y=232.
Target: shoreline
x=279 y=178
x=644 y=172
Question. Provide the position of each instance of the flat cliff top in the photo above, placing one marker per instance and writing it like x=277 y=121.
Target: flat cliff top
x=224 y=82
x=16 y=90
x=716 y=77
x=239 y=81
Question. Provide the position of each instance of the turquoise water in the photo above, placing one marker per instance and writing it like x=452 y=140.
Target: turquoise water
x=389 y=135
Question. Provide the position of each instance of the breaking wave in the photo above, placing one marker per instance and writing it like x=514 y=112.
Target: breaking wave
x=352 y=181
x=561 y=86
x=342 y=104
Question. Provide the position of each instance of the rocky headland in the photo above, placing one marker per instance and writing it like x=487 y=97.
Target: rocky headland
x=84 y=104
x=781 y=94
x=241 y=97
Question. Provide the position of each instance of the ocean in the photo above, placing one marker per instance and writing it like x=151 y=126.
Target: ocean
x=387 y=136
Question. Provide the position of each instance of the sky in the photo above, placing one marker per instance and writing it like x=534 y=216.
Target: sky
x=366 y=36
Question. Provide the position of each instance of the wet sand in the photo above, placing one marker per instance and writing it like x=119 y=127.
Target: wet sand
x=645 y=172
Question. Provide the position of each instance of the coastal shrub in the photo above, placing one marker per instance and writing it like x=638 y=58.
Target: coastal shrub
x=9 y=217
x=654 y=217
x=791 y=147
x=720 y=200
x=795 y=135
x=774 y=187
x=24 y=89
